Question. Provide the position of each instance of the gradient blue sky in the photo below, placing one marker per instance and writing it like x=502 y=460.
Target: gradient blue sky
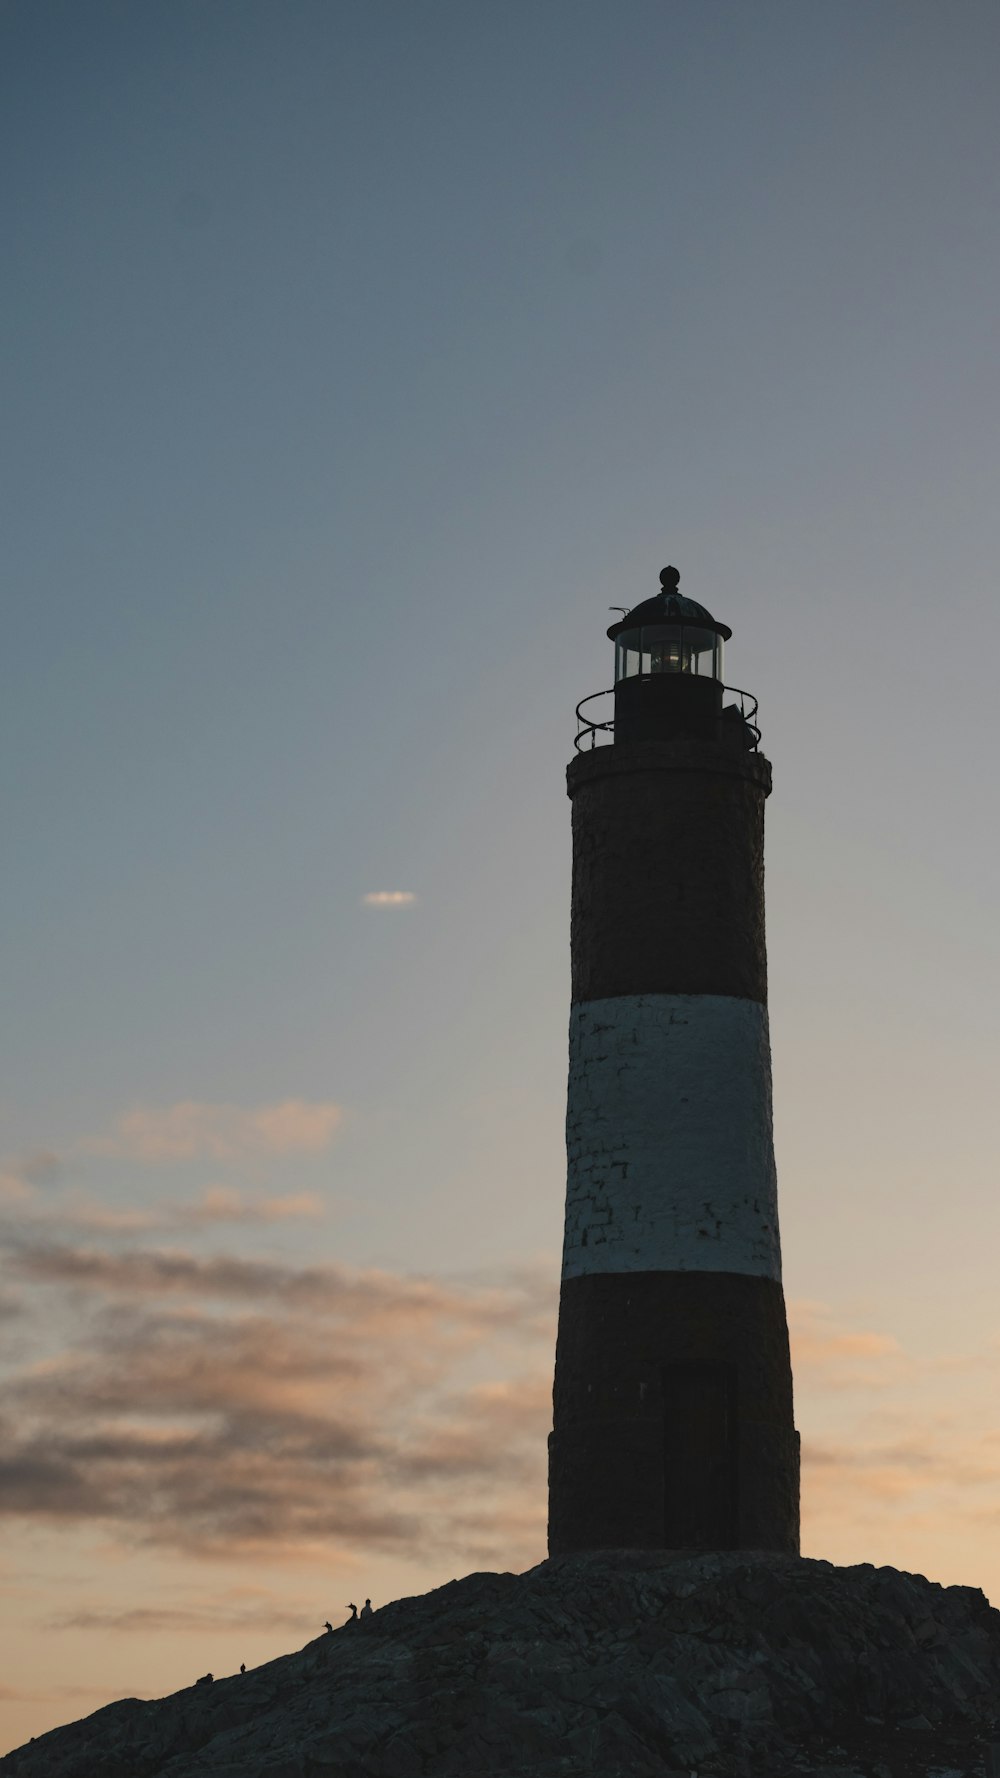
x=358 y=357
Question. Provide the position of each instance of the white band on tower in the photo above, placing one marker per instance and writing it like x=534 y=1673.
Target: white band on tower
x=668 y=1131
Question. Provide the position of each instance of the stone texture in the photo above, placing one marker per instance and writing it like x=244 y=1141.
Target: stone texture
x=626 y=1665
x=618 y=1335
x=668 y=1137
x=668 y=871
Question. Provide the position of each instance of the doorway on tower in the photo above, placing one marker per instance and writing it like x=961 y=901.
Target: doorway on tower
x=699 y=1457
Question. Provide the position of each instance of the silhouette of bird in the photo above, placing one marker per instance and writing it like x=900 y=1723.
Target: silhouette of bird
x=243 y=1666
x=366 y=1609
x=329 y=1627
x=352 y=1608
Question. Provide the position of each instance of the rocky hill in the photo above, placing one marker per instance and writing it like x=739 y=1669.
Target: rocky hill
x=620 y=1663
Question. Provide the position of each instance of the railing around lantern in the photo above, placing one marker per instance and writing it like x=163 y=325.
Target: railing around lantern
x=591 y=732
x=588 y=729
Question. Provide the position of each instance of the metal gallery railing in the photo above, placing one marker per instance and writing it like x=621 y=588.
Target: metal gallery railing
x=592 y=731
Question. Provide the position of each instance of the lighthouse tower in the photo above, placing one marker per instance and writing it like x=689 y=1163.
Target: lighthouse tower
x=673 y=1424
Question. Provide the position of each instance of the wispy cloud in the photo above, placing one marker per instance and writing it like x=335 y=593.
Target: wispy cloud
x=388 y=898
x=942 y=1467
x=217 y=1204
x=223 y=1404
x=191 y=1130
x=898 y=1465
x=842 y=1357
x=368 y=1298
x=265 y=1614
x=55 y=1693
x=13 y=1189
x=21 y=1176
x=223 y=1203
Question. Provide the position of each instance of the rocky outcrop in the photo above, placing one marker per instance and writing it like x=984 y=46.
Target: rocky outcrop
x=618 y=1663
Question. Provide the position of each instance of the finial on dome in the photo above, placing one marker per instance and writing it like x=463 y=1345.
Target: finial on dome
x=670 y=579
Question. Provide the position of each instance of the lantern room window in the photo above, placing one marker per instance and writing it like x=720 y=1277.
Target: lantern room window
x=668 y=648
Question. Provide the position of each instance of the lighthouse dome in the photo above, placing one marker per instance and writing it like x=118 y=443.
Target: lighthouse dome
x=669 y=606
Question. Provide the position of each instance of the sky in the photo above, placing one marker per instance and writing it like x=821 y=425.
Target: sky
x=357 y=358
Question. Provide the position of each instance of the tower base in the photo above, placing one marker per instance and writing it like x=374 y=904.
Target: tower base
x=673 y=1415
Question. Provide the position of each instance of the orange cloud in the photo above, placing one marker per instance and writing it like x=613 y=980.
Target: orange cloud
x=20 y=1178
x=222 y=1203
x=217 y=1204
x=843 y=1359
x=224 y=1406
x=191 y=1129
x=13 y=1189
x=912 y=1483
x=373 y=1300
x=221 y=1405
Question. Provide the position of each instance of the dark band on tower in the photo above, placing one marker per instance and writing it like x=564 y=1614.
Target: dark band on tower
x=673 y=1423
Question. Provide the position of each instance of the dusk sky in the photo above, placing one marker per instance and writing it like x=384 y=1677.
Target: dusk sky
x=359 y=354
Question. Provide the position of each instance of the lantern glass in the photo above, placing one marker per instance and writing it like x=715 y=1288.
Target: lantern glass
x=668 y=648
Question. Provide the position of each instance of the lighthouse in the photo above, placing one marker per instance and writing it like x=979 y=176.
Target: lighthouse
x=672 y=1425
